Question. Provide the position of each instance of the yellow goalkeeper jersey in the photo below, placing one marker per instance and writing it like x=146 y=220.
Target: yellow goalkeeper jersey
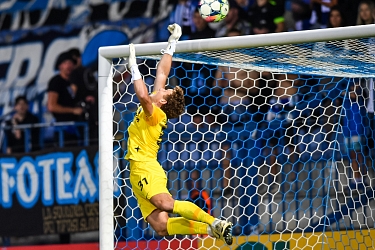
x=145 y=135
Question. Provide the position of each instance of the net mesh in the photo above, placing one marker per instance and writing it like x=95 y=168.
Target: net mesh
x=278 y=140
x=345 y=58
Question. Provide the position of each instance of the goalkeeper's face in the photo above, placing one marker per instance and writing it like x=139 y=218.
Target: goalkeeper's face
x=173 y=102
x=162 y=94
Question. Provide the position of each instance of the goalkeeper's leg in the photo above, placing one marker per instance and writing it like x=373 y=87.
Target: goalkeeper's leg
x=164 y=226
x=193 y=221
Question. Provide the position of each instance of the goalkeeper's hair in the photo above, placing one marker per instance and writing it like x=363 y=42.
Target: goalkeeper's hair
x=175 y=105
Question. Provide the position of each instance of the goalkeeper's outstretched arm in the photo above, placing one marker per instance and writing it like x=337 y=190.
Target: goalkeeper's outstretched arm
x=165 y=63
x=139 y=85
x=161 y=74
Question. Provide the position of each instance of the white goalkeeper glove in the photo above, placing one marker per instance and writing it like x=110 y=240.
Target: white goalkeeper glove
x=176 y=33
x=132 y=64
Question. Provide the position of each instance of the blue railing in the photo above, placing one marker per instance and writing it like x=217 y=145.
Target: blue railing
x=59 y=127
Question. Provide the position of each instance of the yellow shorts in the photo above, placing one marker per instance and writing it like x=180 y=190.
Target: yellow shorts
x=147 y=179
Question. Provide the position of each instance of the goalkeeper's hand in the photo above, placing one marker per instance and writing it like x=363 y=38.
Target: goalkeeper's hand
x=175 y=31
x=132 y=61
x=132 y=64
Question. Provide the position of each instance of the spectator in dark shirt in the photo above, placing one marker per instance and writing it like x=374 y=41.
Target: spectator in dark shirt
x=202 y=29
x=84 y=79
x=61 y=93
x=265 y=17
x=238 y=88
x=242 y=6
x=281 y=128
x=233 y=21
x=62 y=100
x=301 y=13
x=16 y=137
x=348 y=8
x=87 y=92
x=354 y=131
x=321 y=10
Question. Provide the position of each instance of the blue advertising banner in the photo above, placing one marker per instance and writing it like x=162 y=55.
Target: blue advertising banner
x=49 y=192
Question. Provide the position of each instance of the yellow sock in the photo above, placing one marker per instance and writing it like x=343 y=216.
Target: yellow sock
x=191 y=211
x=180 y=225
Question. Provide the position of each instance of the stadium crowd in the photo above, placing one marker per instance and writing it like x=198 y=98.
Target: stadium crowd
x=248 y=17
x=269 y=16
x=245 y=17
x=72 y=96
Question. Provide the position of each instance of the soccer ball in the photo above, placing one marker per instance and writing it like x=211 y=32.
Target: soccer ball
x=213 y=10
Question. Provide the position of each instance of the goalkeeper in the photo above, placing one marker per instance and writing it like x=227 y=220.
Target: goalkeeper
x=147 y=177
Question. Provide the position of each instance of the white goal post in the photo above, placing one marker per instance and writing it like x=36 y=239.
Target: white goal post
x=105 y=73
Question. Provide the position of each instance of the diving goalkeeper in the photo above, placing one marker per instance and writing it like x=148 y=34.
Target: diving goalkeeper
x=147 y=177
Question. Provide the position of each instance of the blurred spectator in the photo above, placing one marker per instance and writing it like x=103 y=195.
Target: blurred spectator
x=349 y=9
x=320 y=13
x=301 y=13
x=199 y=81
x=242 y=6
x=87 y=92
x=16 y=137
x=83 y=78
x=197 y=194
x=370 y=110
x=243 y=3
x=354 y=131
x=62 y=99
x=202 y=30
x=182 y=15
x=233 y=21
x=281 y=128
x=366 y=13
x=237 y=88
x=336 y=18
x=266 y=17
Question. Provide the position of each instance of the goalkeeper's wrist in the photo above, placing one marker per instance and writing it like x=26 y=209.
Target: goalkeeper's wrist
x=136 y=75
x=171 y=48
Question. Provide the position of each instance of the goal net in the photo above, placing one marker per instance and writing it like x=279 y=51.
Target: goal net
x=277 y=137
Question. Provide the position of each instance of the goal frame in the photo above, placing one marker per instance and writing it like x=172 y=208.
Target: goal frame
x=105 y=56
